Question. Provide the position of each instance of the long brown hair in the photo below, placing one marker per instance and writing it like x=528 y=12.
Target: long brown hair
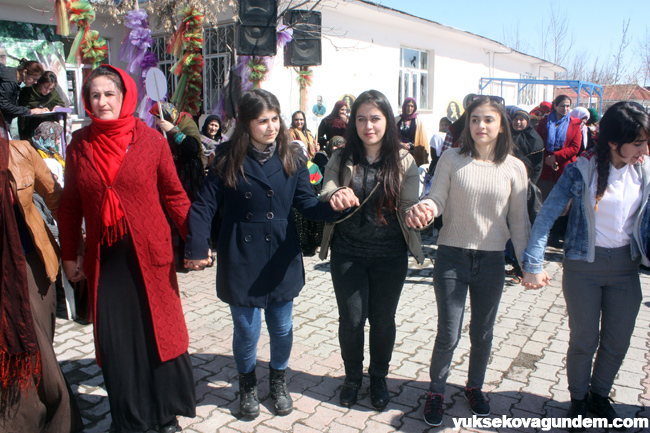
x=391 y=167
x=622 y=123
x=251 y=106
x=504 y=143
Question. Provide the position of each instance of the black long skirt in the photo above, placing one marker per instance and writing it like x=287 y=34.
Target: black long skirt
x=142 y=391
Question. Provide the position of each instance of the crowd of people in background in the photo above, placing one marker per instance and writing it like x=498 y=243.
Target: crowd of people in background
x=133 y=205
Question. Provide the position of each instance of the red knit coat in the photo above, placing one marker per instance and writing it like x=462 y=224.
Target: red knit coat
x=564 y=156
x=146 y=178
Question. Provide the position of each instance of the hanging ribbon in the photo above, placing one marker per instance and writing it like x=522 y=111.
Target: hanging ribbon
x=187 y=44
x=136 y=46
x=82 y=14
x=305 y=78
x=95 y=49
x=62 y=20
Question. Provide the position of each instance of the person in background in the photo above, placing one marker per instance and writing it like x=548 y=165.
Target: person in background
x=562 y=139
x=323 y=156
x=582 y=114
x=592 y=128
x=411 y=132
x=481 y=174
x=257 y=177
x=319 y=109
x=34 y=394
x=47 y=141
x=454 y=135
x=27 y=72
x=370 y=247
x=3 y=55
x=300 y=132
x=607 y=239
x=528 y=145
x=333 y=124
x=140 y=333
x=539 y=112
x=211 y=137
x=43 y=94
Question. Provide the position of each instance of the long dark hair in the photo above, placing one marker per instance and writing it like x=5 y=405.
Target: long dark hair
x=622 y=123
x=251 y=106
x=30 y=67
x=304 y=125
x=504 y=144
x=391 y=167
x=48 y=77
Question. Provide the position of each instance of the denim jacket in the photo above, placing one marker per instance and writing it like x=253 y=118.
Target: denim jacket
x=579 y=240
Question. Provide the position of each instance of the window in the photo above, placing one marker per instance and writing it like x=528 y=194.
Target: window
x=217 y=48
x=414 y=76
x=527 y=93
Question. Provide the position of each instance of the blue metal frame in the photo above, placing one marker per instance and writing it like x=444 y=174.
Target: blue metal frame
x=576 y=85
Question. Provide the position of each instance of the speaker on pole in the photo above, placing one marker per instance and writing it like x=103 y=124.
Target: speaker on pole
x=257 y=22
x=305 y=47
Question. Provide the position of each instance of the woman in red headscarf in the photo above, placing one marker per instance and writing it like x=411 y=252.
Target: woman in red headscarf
x=118 y=172
x=334 y=124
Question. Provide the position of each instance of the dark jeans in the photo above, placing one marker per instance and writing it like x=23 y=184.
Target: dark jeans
x=367 y=288
x=602 y=300
x=456 y=271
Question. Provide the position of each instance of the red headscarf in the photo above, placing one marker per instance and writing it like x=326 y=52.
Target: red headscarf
x=110 y=140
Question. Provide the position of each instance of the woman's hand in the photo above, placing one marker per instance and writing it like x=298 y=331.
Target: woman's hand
x=39 y=111
x=197 y=265
x=343 y=199
x=162 y=124
x=550 y=161
x=74 y=269
x=535 y=281
x=419 y=216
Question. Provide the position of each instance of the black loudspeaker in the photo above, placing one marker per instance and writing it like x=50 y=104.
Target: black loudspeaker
x=257 y=20
x=305 y=47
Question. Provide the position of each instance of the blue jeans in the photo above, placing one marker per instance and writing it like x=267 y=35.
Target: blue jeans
x=367 y=288
x=456 y=271
x=248 y=325
x=602 y=300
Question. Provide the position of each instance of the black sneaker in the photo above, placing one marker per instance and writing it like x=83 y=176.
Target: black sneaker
x=433 y=409
x=476 y=401
x=578 y=408
x=349 y=392
x=602 y=407
x=379 y=392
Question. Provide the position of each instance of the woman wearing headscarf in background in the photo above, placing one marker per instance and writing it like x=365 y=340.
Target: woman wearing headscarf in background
x=334 y=124
x=592 y=128
x=210 y=138
x=185 y=142
x=529 y=146
x=47 y=141
x=300 y=132
x=411 y=132
x=27 y=72
x=582 y=114
x=42 y=94
x=119 y=175
x=34 y=394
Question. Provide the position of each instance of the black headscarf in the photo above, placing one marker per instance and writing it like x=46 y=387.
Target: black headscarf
x=204 y=130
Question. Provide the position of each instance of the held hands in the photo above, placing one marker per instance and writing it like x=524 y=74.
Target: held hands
x=343 y=199
x=419 y=216
x=535 y=281
x=74 y=269
x=197 y=265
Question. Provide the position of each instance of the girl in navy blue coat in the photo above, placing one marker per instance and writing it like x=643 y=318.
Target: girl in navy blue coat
x=257 y=177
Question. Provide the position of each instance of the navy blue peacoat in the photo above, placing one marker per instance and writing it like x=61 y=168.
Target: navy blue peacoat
x=259 y=260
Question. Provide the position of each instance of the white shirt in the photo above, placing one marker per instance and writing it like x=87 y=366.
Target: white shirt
x=436 y=142
x=617 y=208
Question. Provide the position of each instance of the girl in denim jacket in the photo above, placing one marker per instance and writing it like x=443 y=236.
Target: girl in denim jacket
x=604 y=244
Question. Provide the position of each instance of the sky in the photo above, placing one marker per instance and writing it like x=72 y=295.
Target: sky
x=596 y=24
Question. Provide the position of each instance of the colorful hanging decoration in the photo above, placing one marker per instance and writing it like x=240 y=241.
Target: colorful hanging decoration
x=95 y=49
x=82 y=14
x=258 y=70
x=284 y=35
x=304 y=78
x=187 y=44
x=62 y=20
x=136 y=46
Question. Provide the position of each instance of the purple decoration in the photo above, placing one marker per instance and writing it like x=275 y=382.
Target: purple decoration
x=136 y=44
x=284 y=35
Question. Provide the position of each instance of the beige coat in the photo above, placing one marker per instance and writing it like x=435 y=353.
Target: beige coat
x=408 y=196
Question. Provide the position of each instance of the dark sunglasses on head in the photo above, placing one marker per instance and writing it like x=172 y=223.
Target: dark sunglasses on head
x=497 y=99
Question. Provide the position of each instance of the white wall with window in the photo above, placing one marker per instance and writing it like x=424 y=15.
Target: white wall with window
x=414 y=76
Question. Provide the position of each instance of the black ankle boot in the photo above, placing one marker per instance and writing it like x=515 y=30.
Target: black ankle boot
x=578 y=408
x=601 y=406
x=379 y=392
x=349 y=391
x=283 y=404
x=249 y=405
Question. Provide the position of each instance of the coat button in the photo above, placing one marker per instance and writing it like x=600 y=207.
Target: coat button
x=267 y=238
x=248 y=194
x=269 y=216
x=269 y=193
x=248 y=238
x=249 y=215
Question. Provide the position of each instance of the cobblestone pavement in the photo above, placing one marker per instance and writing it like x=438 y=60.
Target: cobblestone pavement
x=526 y=376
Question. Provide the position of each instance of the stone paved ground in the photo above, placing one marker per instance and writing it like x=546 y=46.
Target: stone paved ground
x=526 y=376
